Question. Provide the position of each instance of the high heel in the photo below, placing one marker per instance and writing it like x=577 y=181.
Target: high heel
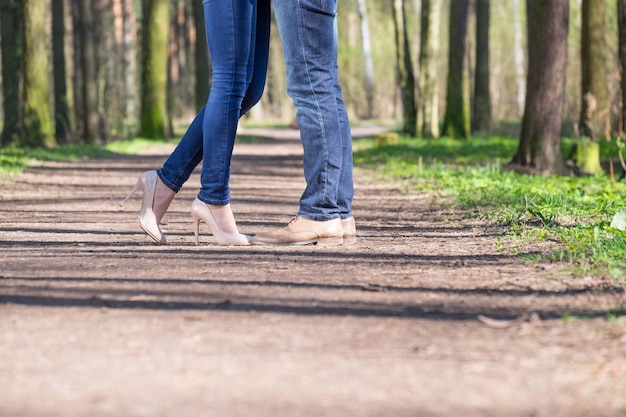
x=147 y=183
x=200 y=211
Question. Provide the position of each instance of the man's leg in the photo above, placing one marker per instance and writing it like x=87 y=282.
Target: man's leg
x=308 y=35
x=307 y=30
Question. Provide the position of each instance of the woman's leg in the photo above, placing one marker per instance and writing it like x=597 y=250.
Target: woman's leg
x=230 y=28
x=188 y=154
x=178 y=167
x=261 y=56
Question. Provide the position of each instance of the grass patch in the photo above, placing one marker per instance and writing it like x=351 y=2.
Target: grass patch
x=573 y=212
x=16 y=159
x=134 y=146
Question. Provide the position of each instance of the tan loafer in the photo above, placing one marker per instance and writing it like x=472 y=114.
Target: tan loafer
x=302 y=231
x=349 y=231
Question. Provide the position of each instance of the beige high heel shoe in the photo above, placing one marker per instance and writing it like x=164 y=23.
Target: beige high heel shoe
x=148 y=221
x=200 y=211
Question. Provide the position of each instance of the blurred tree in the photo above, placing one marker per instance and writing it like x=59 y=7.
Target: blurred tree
x=595 y=110
x=203 y=66
x=37 y=122
x=429 y=50
x=129 y=67
x=621 y=12
x=62 y=118
x=594 y=120
x=481 y=114
x=404 y=69
x=456 y=121
x=87 y=71
x=540 y=141
x=366 y=43
x=11 y=39
x=518 y=53
x=154 y=69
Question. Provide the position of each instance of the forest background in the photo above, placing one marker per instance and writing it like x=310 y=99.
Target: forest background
x=95 y=71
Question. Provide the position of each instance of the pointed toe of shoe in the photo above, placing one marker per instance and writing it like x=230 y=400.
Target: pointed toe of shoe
x=150 y=226
x=302 y=231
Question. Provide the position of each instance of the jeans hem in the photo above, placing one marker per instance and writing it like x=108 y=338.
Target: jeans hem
x=213 y=202
x=319 y=217
x=174 y=187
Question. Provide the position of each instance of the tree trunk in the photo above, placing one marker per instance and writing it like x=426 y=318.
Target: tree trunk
x=175 y=86
x=77 y=73
x=429 y=49
x=62 y=117
x=89 y=72
x=481 y=114
x=37 y=125
x=595 y=107
x=129 y=70
x=154 y=70
x=366 y=44
x=621 y=24
x=518 y=57
x=11 y=43
x=540 y=141
x=203 y=67
x=455 y=122
x=594 y=122
x=404 y=67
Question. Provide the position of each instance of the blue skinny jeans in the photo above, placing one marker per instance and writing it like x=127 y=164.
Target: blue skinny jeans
x=308 y=30
x=238 y=37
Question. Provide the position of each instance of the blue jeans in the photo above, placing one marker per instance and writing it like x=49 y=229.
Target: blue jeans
x=308 y=30
x=238 y=37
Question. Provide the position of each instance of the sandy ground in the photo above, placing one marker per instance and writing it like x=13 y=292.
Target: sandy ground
x=423 y=316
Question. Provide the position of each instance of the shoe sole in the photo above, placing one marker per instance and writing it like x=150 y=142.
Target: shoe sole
x=328 y=241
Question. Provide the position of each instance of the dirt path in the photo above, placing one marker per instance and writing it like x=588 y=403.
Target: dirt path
x=95 y=320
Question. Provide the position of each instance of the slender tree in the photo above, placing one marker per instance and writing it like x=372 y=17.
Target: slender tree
x=37 y=123
x=175 y=67
x=203 y=67
x=366 y=44
x=540 y=141
x=594 y=121
x=518 y=55
x=153 y=121
x=481 y=114
x=107 y=66
x=456 y=120
x=129 y=70
x=429 y=49
x=621 y=13
x=62 y=119
x=11 y=36
x=404 y=68
x=88 y=71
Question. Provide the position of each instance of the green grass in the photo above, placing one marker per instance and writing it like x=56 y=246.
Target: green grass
x=133 y=146
x=16 y=159
x=574 y=212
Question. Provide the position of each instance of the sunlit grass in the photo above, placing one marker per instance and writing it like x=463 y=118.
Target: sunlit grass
x=134 y=146
x=16 y=159
x=573 y=212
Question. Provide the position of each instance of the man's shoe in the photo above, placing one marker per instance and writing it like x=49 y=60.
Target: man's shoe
x=302 y=231
x=349 y=231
